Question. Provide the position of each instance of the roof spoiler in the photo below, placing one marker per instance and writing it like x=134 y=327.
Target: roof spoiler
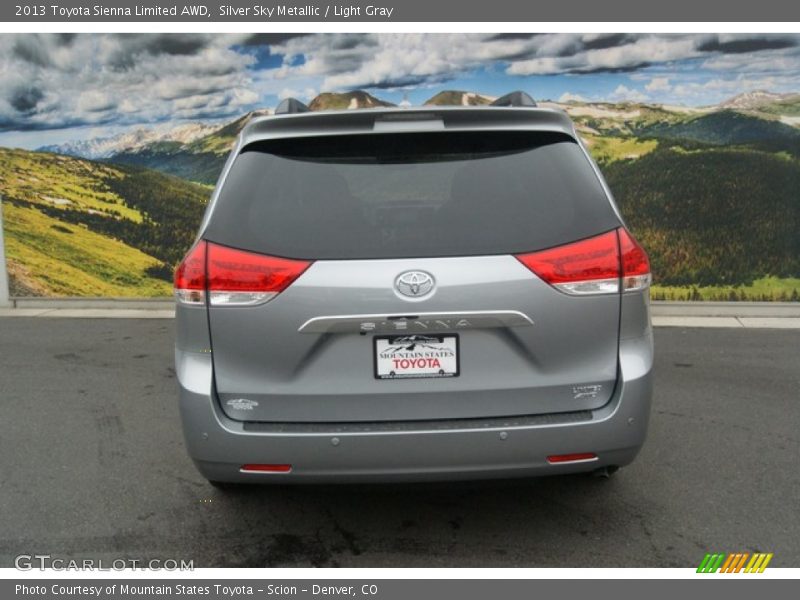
x=290 y=106
x=517 y=98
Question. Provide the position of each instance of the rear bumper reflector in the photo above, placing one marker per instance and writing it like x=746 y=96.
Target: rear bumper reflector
x=261 y=468
x=572 y=458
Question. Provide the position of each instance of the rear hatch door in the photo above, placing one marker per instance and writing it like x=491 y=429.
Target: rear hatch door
x=372 y=213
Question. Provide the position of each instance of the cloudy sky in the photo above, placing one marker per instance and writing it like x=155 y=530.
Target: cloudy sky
x=55 y=88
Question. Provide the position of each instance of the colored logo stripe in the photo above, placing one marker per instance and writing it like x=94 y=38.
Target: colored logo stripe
x=734 y=562
x=710 y=563
x=758 y=563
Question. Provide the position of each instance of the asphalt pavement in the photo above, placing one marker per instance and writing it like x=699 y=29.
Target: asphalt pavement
x=92 y=464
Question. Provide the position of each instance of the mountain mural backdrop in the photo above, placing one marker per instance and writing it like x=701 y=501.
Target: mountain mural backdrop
x=712 y=193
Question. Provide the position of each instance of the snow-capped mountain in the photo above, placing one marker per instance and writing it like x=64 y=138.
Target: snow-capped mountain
x=754 y=99
x=133 y=140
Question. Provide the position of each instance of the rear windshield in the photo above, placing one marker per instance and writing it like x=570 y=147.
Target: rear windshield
x=409 y=195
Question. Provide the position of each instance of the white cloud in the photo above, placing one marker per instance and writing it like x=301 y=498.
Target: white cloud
x=49 y=81
x=644 y=50
x=55 y=81
x=721 y=88
x=658 y=84
x=305 y=94
x=624 y=94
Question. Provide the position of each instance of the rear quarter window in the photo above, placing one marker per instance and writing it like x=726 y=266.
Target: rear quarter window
x=409 y=195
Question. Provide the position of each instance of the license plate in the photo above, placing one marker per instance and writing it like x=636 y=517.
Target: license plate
x=409 y=356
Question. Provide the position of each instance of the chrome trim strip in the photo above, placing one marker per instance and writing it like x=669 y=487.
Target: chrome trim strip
x=411 y=322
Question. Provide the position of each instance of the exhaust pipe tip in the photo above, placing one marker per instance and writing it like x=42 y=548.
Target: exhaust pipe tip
x=605 y=472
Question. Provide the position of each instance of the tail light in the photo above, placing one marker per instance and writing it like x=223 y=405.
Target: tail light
x=594 y=265
x=233 y=277
x=190 y=277
x=236 y=277
x=635 y=264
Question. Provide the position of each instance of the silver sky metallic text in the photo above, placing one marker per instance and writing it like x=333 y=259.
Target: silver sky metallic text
x=345 y=11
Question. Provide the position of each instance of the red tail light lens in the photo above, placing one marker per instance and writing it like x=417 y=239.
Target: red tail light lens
x=635 y=264
x=236 y=277
x=233 y=277
x=262 y=468
x=190 y=276
x=592 y=266
x=589 y=266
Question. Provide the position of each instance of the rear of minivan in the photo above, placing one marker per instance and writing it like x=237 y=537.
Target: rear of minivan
x=408 y=295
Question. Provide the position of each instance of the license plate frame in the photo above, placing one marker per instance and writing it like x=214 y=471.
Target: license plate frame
x=379 y=344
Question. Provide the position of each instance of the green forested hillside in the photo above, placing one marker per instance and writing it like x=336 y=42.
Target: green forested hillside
x=81 y=228
x=200 y=167
x=787 y=107
x=712 y=216
x=726 y=128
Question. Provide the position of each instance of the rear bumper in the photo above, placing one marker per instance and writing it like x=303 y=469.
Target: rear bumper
x=475 y=449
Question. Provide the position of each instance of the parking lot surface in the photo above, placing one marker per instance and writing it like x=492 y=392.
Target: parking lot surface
x=92 y=464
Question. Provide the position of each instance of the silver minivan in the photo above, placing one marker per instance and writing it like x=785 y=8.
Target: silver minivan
x=412 y=294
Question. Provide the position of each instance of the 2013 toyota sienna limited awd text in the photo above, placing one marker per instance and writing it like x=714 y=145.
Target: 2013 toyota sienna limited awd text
x=411 y=294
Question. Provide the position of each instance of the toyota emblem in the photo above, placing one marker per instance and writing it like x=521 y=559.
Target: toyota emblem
x=414 y=284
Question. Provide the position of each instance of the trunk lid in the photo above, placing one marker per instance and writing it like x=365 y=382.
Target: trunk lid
x=524 y=347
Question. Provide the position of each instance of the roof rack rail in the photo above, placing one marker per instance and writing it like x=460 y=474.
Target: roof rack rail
x=289 y=106
x=517 y=98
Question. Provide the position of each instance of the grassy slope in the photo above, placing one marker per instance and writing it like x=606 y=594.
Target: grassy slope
x=63 y=182
x=53 y=259
x=782 y=289
x=50 y=203
x=608 y=149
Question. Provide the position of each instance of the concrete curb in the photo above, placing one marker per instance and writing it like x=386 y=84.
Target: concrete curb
x=749 y=315
x=735 y=322
x=166 y=303
x=725 y=309
x=89 y=313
